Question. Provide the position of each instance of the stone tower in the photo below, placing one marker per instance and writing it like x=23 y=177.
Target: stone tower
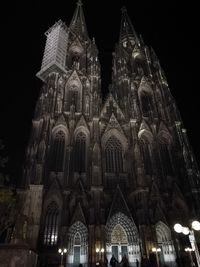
x=105 y=178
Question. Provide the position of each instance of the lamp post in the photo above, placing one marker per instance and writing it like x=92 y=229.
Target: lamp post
x=190 y=253
x=62 y=251
x=156 y=250
x=186 y=231
x=99 y=252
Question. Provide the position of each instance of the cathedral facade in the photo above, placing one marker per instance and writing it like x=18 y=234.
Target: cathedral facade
x=104 y=177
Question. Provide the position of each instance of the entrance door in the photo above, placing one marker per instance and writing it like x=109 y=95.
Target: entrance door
x=77 y=251
x=124 y=251
x=115 y=252
x=119 y=251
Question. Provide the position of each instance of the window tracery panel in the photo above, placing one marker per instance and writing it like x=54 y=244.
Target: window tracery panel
x=147 y=158
x=73 y=97
x=80 y=153
x=146 y=103
x=51 y=225
x=166 y=161
x=113 y=155
x=57 y=151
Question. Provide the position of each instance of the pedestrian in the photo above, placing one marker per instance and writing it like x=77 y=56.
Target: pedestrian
x=113 y=261
x=105 y=262
x=124 y=261
x=137 y=263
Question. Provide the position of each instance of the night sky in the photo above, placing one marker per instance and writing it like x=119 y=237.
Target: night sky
x=168 y=26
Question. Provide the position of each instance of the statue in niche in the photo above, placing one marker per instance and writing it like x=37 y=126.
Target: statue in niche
x=20 y=229
x=73 y=105
x=59 y=99
x=76 y=61
x=30 y=226
x=87 y=105
x=42 y=148
x=96 y=107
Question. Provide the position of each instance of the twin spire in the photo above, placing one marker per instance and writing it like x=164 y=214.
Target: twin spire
x=127 y=32
x=78 y=24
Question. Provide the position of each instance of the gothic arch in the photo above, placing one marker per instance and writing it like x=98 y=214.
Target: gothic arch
x=80 y=149
x=77 y=243
x=57 y=150
x=73 y=93
x=120 y=136
x=113 y=155
x=51 y=224
x=114 y=145
x=146 y=136
x=145 y=95
x=120 y=226
x=83 y=129
x=165 y=242
x=62 y=128
x=164 y=136
x=53 y=195
x=146 y=139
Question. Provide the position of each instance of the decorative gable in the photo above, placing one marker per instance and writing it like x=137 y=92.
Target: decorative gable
x=110 y=107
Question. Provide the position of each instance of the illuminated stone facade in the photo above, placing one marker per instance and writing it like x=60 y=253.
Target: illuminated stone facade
x=105 y=177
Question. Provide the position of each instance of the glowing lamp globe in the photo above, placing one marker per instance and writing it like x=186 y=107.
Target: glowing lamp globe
x=196 y=225
x=178 y=228
x=185 y=231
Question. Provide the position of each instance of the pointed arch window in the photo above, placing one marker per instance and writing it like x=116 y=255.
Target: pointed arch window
x=146 y=103
x=80 y=153
x=57 y=152
x=113 y=155
x=147 y=158
x=51 y=225
x=166 y=160
x=72 y=97
x=77 y=239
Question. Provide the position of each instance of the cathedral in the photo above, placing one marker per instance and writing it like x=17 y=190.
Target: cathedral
x=109 y=176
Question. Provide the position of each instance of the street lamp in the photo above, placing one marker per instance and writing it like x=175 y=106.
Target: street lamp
x=190 y=253
x=156 y=250
x=99 y=252
x=62 y=251
x=186 y=231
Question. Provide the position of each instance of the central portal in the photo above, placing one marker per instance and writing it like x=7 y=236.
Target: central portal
x=122 y=238
x=119 y=242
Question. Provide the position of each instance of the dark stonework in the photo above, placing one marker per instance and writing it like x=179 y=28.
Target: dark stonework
x=103 y=178
x=17 y=256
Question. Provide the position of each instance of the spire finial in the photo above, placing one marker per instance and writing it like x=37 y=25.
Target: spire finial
x=123 y=10
x=79 y=3
x=127 y=31
x=78 y=24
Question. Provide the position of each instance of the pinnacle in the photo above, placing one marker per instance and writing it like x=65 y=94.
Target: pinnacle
x=123 y=9
x=79 y=3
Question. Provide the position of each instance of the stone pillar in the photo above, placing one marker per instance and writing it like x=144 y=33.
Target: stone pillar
x=33 y=209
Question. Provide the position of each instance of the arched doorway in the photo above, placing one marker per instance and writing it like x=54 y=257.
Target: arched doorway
x=167 y=254
x=122 y=238
x=119 y=242
x=78 y=244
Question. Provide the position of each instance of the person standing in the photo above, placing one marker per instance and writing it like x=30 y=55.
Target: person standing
x=124 y=261
x=113 y=261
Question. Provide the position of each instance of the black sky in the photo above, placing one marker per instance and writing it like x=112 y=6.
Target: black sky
x=168 y=26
